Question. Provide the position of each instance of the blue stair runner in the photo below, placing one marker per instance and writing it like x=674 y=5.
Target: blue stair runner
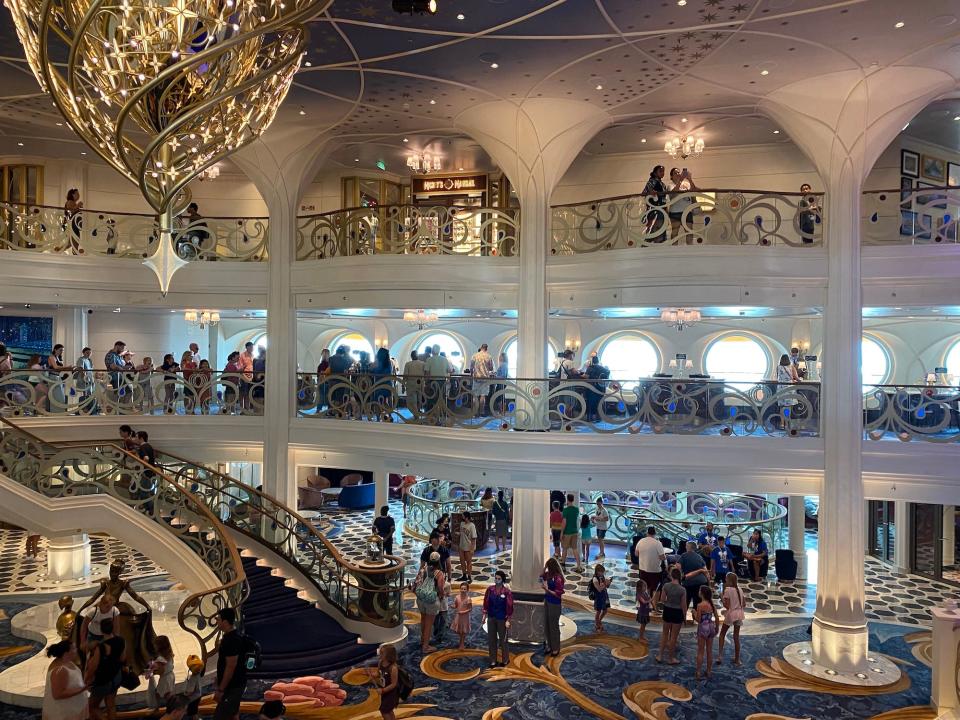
x=295 y=637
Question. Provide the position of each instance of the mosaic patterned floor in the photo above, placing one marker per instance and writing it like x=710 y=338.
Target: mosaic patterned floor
x=15 y=565
x=894 y=598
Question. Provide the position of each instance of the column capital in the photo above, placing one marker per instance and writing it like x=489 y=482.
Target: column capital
x=843 y=121
x=533 y=141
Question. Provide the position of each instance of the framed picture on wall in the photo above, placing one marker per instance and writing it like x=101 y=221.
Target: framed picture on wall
x=909 y=163
x=953 y=174
x=906 y=190
x=908 y=222
x=924 y=226
x=934 y=168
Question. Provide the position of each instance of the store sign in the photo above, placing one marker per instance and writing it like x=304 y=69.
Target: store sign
x=460 y=184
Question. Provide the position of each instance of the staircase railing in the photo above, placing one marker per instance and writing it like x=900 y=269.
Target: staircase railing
x=56 y=471
x=369 y=594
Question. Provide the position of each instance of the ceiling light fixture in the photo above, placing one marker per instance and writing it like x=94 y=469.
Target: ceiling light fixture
x=494 y=65
x=764 y=72
x=680 y=318
x=134 y=68
x=681 y=3
x=415 y=6
x=461 y=16
x=899 y=24
x=201 y=318
x=210 y=173
x=776 y=132
x=683 y=119
x=424 y=163
x=433 y=102
x=957 y=117
x=599 y=86
x=683 y=147
x=302 y=111
x=406 y=140
x=420 y=318
x=643 y=140
x=19 y=144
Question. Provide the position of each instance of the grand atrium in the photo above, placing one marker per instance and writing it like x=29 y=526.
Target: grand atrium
x=340 y=340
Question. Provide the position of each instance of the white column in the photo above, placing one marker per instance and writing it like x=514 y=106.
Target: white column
x=213 y=347
x=840 y=627
x=279 y=478
x=68 y=557
x=796 y=517
x=381 y=479
x=901 y=537
x=531 y=531
x=70 y=330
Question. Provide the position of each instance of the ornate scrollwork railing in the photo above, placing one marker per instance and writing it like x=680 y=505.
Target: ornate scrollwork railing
x=429 y=499
x=682 y=515
x=102 y=392
x=912 y=412
x=368 y=594
x=409 y=230
x=921 y=216
x=105 y=469
x=45 y=229
x=605 y=406
x=703 y=217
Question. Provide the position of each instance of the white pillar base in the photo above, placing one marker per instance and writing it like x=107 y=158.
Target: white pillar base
x=943 y=686
x=878 y=671
x=529 y=551
x=68 y=558
x=842 y=648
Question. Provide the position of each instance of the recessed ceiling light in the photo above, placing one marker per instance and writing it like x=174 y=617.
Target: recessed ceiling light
x=59 y=124
x=599 y=86
x=459 y=169
x=899 y=24
x=302 y=111
x=461 y=16
x=643 y=140
x=83 y=152
x=433 y=102
x=955 y=118
x=356 y=159
x=308 y=64
x=19 y=144
x=405 y=140
x=681 y=3
x=764 y=72
x=494 y=65
x=683 y=119
x=776 y=132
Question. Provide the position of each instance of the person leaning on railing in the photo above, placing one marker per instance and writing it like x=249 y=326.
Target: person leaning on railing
x=809 y=209
x=656 y=193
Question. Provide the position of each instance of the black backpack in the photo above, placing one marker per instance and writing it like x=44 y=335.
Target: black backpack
x=592 y=590
x=404 y=683
x=251 y=655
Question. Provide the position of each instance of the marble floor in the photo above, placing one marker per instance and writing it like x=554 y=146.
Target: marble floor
x=905 y=599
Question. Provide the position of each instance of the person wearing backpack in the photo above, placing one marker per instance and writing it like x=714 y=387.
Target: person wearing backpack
x=428 y=587
x=231 y=666
x=387 y=674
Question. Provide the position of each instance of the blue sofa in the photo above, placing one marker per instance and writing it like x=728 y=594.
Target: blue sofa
x=355 y=497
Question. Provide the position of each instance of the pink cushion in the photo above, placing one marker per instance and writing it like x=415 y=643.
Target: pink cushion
x=294 y=689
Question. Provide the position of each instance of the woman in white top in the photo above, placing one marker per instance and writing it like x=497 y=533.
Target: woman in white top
x=91 y=633
x=732 y=616
x=601 y=520
x=65 y=694
x=162 y=683
x=468 y=544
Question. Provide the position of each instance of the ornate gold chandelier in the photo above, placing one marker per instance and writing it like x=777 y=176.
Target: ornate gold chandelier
x=163 y=89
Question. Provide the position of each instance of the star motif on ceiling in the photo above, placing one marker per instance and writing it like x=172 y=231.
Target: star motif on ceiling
x=677 y=48
x=716 y=35
x=706 y=46
x=739 y=8
x=710 y=3
x=697 y=56
x=709 y=17
x=688 y=35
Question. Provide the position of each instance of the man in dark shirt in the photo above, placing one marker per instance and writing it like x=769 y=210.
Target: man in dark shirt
x=436 y=547
x=384 y=526
x=231 y=671
x=695 y=573
x=145 y=486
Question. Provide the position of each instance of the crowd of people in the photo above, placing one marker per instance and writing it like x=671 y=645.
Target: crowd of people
x=140 y=384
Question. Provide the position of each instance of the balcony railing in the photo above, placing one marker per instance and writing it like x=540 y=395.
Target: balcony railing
x=409 y=230
x=101 y=392
x=688 y=407
x=702 y=217
x=48 y=230
x=912 y=412
x=915 y=216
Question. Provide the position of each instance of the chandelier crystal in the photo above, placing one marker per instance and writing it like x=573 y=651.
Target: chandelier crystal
x=683 y=147
x=163 y=89
x=680 y=318
x=420 y=318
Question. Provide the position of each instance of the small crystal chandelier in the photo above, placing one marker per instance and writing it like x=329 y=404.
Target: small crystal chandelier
x=420 y=318
x=210 y=173
x=202 y=318
x=423 y=163
x=680 y=318
x=684 y=147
